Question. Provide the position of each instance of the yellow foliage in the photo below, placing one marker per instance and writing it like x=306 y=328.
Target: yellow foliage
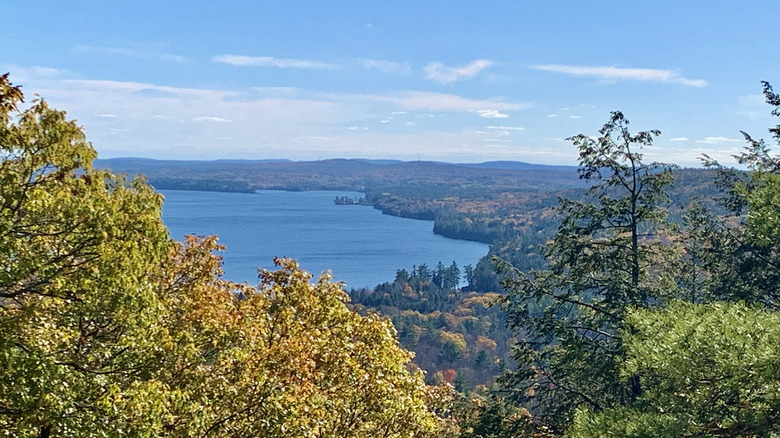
x=108 y=328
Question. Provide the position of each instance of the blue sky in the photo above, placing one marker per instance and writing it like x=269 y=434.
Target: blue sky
x=457 y=81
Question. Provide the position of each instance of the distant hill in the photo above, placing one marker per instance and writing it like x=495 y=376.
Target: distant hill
x=519 y=165
x=342 y=174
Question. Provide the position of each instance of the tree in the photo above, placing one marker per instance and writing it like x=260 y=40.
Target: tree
x=288 y=360
x=109 y=328
x=741 y=257
x=484 y=414
x=607 y=256
x=710 y=369
x=77 y=314
x=469 y=271
x=706 y=370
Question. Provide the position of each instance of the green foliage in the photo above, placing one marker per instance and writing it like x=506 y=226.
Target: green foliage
x=705 y=370
x=108 y=328
x=482 y=414
x=741 y=258
x=77 y=315
x=710 y=369
x=607 y=256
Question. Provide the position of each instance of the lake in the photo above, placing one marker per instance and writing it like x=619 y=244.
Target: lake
x=358 y=244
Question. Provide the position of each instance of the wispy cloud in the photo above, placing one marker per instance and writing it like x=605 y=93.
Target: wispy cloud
x=492 y=114
x=211 y=119
x=428 y=101
x=679 y=139
x=753 y=106
x=610 y=73
x=506 y=128
x=172 y=57
x=270 y=61
x=716 y=140
x=165 y=121
x=438 y=72
x=386 y=66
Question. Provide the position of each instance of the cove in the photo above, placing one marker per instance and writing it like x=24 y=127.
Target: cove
x=359 y=245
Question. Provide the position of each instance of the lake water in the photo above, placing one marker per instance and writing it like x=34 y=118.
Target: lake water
x=358 y=244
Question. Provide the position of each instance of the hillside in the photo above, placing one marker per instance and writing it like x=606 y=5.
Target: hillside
x=340 y=174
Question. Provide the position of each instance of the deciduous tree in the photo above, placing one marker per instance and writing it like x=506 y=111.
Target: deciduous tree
x=109 y=328
x=77 y=312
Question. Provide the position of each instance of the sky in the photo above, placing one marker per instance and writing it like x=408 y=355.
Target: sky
x=456 y=81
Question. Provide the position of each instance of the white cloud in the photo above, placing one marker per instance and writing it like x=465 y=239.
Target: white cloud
x=506 y=128
x=386 y=120
x=411 y=123
x=105 y=116
x=492 y=114
x=172 y=57
x=428 y=101
x=619 y=73
x=270 y=61
x=438 y=72
x=679 y=139
x=574 y=117
x=170 y=122
x=552 y=115
x=30 y=75
x=211 y=119
x=716 y=140
x=386 y=66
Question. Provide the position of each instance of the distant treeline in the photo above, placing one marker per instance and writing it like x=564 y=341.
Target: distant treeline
x=206 y=185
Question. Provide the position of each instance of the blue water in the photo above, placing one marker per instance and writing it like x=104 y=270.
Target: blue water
x=358 y=244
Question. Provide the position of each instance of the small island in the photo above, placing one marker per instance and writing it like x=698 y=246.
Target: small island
x=346 y=200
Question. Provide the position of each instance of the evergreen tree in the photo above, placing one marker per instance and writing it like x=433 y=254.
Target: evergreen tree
x=740 y=255
x=606 y=257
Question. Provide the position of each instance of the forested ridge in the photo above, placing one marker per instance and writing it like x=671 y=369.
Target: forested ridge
x=635 y=299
